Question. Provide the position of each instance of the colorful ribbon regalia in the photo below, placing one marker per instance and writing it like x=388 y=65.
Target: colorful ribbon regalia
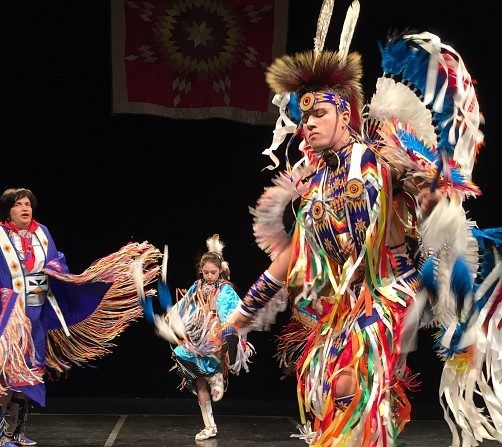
x=358 y=302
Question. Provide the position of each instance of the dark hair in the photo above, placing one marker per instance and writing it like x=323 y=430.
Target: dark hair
x=10 y=196
x=217 y=260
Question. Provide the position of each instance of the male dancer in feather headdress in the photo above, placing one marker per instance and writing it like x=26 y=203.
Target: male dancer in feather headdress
x=362 y=192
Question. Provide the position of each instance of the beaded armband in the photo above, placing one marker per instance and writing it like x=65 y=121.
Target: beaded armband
x=260 y=293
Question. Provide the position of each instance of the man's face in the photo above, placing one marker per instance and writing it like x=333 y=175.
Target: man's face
x=324 y=126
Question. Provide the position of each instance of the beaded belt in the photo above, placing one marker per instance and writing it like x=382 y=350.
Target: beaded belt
x=37 y=287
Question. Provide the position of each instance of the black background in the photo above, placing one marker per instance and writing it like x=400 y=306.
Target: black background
x=103 y=180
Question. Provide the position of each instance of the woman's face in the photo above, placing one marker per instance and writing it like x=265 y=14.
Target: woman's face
x=210 y=272
x=21 y=213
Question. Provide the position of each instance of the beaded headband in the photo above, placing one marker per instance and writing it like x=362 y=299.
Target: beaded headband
x=310 y=99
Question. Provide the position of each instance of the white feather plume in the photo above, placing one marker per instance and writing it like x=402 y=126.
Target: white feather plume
x=323 y=25
x=163 y=330
x=393 y=100
x=137 y=276
x=268 y=225
x=164 y=264
x=349 y=25
x=412 y=319
x=170 y=326
x=177 y=324
x=446 y=226
x=242 y=358
x=215 y=245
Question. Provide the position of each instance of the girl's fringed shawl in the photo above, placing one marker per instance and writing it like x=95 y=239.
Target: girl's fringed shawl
x=203 y=329
x=90 y=339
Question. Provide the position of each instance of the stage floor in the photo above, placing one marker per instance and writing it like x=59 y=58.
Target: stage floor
x=153 y=429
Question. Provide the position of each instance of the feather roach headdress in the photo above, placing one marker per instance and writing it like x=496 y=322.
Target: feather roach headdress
x=327 y=70
x=300 y=80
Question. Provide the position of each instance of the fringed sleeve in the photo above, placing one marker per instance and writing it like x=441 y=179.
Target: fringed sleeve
x=119 y=306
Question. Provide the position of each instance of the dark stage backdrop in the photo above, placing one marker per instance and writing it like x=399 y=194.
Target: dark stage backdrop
x=104 y=180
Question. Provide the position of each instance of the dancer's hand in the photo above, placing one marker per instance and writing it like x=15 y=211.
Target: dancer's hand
x=173 y=333
x=239 y=321
x=427 y=200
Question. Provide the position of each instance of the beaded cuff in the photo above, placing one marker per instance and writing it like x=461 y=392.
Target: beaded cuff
x=259 y=294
